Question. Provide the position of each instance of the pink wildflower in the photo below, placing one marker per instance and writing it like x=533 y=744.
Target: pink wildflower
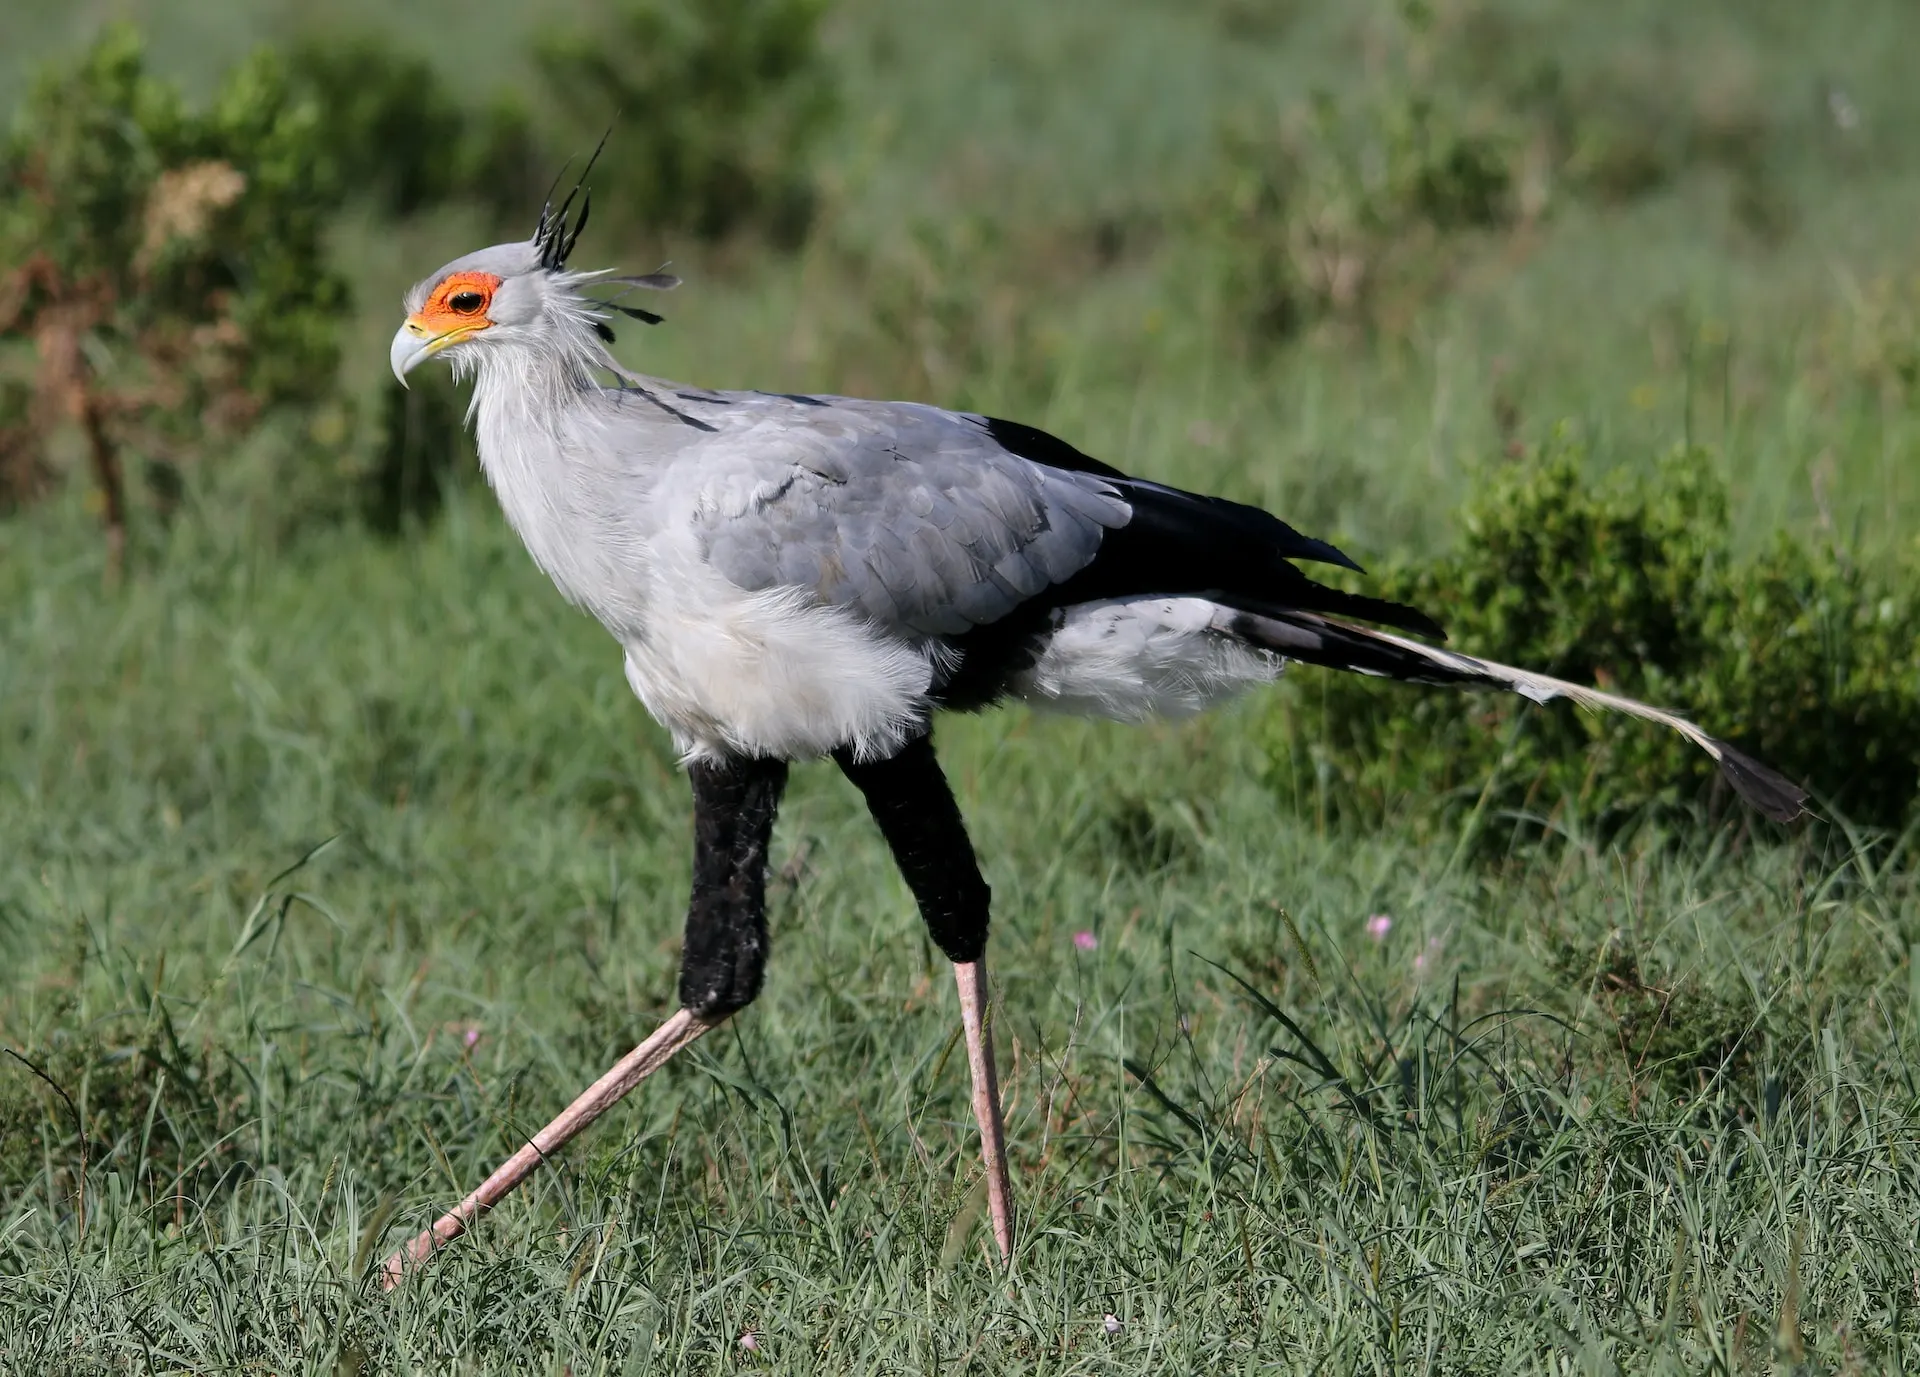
x=1085 y=940
x=1378 y=926
x=1427 y=957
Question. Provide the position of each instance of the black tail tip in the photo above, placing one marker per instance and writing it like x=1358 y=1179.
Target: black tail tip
x=1762 y=786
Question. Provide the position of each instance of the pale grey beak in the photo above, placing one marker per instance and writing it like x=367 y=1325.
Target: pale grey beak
x=412 y=345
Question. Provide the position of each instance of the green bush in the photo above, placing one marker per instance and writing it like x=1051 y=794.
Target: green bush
x=718 y=107
x=1362 y=209
x=398 y=136
x=1800 y=655
x=165 y=283
x=165 y=288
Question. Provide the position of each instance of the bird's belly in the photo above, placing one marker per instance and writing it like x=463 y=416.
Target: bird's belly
x=1140 y=658
x=772 y=673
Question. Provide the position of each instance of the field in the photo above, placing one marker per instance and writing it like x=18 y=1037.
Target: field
x=332 y=863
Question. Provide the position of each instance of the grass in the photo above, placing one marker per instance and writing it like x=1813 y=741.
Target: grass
x=333 y=865
x=1594 y=1110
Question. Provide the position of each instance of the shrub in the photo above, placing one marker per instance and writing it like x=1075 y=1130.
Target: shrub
x=399 y=137
x=166 y=289
x=1802 y=656
x=1362 y=210
x=165 y=266
x=719 y=106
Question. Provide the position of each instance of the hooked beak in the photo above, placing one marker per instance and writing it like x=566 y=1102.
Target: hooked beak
x=415 y=342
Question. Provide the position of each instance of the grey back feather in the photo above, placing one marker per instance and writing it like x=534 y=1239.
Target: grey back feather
x=912 y=516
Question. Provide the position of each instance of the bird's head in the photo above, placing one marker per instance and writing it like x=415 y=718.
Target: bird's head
x=519 y=294
x=477 y=302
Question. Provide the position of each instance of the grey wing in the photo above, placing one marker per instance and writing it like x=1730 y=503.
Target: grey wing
x=912 y=516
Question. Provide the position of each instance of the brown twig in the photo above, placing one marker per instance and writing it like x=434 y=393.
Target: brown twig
x=107 y=474
x=61 y=312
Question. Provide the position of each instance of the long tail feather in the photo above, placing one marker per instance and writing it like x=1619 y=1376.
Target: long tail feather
x=1339 y=645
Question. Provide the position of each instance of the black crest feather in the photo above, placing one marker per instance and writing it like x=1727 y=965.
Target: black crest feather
x=633 y=312
x=553 y=236
x=655 y=282
x=660 y=281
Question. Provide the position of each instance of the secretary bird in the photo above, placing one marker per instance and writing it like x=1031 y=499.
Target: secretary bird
x=793 y=577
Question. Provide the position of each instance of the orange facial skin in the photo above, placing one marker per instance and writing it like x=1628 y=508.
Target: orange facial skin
x=456 y=309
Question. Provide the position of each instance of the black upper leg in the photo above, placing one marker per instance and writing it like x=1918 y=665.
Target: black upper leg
x=725 y=953
x=909 y=798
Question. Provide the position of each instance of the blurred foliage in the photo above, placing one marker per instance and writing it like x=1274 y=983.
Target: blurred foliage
x=421 y=450
x=1799 y=655
x=1361 y=207
x=1871 y=344
x=717 y=107
x=1637 y=121
x=1353 y=214
x=165 y=265
x=401 y=138
x=23 y=468
x=168 y=288
x=956 y=311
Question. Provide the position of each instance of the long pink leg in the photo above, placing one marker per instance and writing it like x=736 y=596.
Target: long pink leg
x=601 y=1096
x=972 y=979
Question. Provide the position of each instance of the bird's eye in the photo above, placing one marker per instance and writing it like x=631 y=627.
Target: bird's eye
x=466 y=303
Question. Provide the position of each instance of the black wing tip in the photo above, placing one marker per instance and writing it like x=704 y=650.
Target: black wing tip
x=1320 y=551
x=1035 y=444
x=1762 y=786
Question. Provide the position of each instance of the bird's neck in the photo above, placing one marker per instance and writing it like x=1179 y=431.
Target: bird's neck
x=570 y=477
x=526 y=395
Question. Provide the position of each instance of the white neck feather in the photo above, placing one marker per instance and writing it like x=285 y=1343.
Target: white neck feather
x=568 y=468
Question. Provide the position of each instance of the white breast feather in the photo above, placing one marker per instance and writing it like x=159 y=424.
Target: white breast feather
x=769 y=673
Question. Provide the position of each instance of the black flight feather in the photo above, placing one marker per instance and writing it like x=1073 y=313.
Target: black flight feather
x=1031 y=443
x=1181 y=542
